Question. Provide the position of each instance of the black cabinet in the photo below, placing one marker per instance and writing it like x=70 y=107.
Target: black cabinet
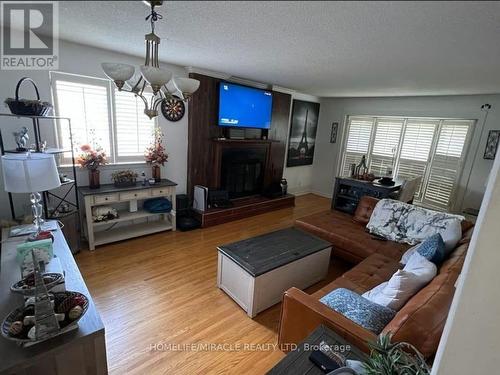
x=348 y=191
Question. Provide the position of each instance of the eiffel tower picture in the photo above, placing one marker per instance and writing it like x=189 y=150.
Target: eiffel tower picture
x=303 y=146
x=302 y=139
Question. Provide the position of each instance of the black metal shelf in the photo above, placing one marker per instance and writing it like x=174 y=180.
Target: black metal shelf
x=61 y=194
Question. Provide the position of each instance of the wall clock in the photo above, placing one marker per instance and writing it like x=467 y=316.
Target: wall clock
x=173 y=109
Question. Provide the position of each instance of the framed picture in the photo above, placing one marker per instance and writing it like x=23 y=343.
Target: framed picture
x=492 y=144
x=304 y=123
x=333 y=134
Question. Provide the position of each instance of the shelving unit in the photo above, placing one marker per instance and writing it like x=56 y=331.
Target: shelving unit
x=57 y=197
x=127 y=224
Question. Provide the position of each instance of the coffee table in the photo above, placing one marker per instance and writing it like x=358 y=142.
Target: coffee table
x=255 y=272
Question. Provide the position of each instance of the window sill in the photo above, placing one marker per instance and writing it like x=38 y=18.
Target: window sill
x=110 y=167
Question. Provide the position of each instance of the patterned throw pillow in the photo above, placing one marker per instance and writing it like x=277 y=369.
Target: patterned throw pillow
x=433 y=249
x=367 y=314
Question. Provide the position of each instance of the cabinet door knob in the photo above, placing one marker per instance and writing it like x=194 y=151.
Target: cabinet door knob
x=105 y=199
x=135 y=195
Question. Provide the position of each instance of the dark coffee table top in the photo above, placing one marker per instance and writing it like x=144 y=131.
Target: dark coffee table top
x=261 y=254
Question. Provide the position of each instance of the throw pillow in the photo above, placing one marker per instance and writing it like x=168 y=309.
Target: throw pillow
x=433 y=249
x=361 y=311
x=404 y=284
x=408 y=253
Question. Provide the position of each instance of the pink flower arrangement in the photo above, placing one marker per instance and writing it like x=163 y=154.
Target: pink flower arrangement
x=91 y=158
x=155 y=153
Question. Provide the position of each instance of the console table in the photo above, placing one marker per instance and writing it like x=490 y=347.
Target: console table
x=128 y=224
x=348 y=191
x=78 y=352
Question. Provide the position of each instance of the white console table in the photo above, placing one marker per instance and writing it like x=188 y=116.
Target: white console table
x=128 y=224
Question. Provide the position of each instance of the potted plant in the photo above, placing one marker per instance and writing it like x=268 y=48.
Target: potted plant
x=91 y=159
x=155 y=154
x=124 y=178
x=400 y=358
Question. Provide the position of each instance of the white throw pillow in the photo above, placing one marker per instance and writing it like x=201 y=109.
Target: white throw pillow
x=422 y=267
x=404 y=284
x=406 y=256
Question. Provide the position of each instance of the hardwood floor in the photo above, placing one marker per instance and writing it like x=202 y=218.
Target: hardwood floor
x=160 y=290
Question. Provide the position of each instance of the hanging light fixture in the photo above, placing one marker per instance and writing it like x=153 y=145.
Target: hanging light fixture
x=161 y=82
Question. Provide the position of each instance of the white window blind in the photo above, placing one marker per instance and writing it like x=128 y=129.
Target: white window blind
x=446 y=163
x=358 y=141
x=113 y=119
x=431 y=148
x=385 y=144
x=415 y=150
x=133 y=128
x=88 y=108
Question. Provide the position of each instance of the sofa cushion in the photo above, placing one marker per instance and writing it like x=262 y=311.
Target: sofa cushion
x=364 y=209
x=349 y=239
x=361 y=311
x=371 y=272
x=404 y=283
x=421 y=321
x=433 y=249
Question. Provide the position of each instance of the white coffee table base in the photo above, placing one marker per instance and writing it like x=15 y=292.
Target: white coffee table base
x=255 y=294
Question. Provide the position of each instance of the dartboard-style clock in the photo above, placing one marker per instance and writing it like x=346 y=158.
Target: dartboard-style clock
x=173 y=109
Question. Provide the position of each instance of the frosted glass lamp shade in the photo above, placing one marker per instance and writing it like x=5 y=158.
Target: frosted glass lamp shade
x=29 y=173
x=118 y=72
x=156 y=77
x=186 y=86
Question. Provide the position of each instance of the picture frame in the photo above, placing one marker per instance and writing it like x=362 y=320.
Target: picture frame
x=491 y=145
x=334 y=131
x=302 y=136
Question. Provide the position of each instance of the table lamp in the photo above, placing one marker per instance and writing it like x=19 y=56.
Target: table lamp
x=31 y=173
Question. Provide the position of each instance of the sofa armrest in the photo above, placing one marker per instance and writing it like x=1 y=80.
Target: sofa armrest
x=301 y=314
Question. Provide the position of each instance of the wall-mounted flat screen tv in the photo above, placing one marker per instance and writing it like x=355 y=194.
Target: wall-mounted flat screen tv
x=244 y=107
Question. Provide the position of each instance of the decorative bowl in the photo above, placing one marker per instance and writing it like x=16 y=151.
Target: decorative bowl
x=66 y=325
x=26 y=286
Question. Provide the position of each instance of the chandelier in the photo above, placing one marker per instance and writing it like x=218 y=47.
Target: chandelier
x=153 y=78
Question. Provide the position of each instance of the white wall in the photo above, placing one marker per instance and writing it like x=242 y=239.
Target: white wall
x=299 y=178
x=470 y=343
x=467 y=106
x=85 y=60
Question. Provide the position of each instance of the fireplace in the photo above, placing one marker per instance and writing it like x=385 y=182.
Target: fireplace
x=242 y=170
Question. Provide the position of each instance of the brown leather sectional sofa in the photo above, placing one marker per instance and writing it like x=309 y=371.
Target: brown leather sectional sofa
x=420 y=322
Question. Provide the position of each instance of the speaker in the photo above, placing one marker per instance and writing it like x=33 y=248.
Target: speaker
x=182 y=203
x=236 y=133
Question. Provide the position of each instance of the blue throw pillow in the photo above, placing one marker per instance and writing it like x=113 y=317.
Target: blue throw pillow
x=433 y=248
x=367 y=314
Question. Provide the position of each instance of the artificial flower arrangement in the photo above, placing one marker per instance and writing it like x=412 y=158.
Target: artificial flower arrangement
x=155 y=154
x=91 y=158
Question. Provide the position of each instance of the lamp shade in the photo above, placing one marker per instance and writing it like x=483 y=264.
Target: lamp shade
x=155 y=76
x=29 y=173
x=118 y=72
x=186 y=85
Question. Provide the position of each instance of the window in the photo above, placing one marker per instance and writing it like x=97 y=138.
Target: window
x=428 y=147
x=99 y=113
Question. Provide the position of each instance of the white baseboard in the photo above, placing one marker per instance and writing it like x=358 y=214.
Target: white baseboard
x=321 y=194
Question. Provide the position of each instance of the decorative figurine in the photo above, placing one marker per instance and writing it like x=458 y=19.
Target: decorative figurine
x=21 y=137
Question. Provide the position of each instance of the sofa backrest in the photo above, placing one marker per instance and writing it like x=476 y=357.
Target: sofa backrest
x=365 y=209
x=421 y=321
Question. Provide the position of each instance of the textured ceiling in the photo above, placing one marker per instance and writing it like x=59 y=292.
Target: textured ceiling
x=322 y=48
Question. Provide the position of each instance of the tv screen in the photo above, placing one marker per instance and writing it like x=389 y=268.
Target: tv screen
x=244 y=107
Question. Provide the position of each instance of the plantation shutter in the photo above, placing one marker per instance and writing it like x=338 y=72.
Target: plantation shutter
x=88 y=108
x=385 y=144
x=415 y=150
x=446 y=163
x=134 y=129
x=358 y=141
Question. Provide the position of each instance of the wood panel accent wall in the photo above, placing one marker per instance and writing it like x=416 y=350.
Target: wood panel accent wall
x=202 y=129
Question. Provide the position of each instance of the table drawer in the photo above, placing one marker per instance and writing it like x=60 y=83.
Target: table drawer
x=160 y=191
x=130 y=195
x=105 y=198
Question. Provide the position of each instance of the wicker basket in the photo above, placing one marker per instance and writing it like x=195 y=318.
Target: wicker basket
x=28 y=107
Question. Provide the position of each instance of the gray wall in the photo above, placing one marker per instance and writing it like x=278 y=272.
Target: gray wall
x=326 y=158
